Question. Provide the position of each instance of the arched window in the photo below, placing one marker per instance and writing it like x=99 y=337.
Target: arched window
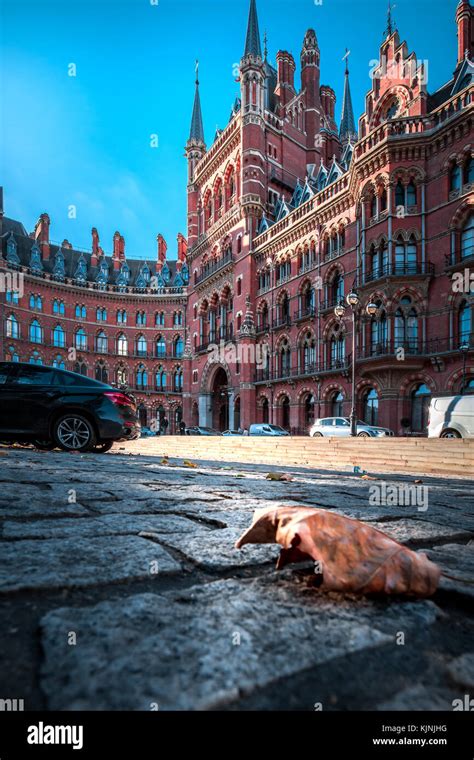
x=337 y=289
x=178 y=318
x=467 y=238
x=465 y=324
x=420 y=402
x=467 y=388
x=406 y=326
x=338 y=351
x=373 y=206
x=285 y=359
x=81 y=368
x=59 y=337
x=178 y=381
x=284 y=308
x=265 y=411
x=140 y=318
x=101 y=373
x=399 y=194
x=411 y=194
x=160 y=347
x=160 y=379
x=36 y=332
x=309 y=407
x=455 y=178
x=285 y=413
x=12 y=327
x=379 y=261
x=101 y=343
x=12 y=355
x=121 y=317
x=141 y=346
x=371 y=407
x=379 y=332
x=405 y=256
x=469 y=171
x=141 y=377
x=160 y=319
x=35 y=358
x=337 y=405
x=122 y=376
x=58 y=362
x=58 y=307
x=178 y=347
x=309 y=353
x=383 y=200
x=80 y=340
x=122 y=345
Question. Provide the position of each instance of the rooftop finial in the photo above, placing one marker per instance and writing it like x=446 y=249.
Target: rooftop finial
x=252 y=41
x=390 y=22
x=197 y=71
x=265 y=45
x=346 y=59
x=197 y=129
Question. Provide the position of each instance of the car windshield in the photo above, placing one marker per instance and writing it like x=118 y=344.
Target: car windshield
x=277 y=428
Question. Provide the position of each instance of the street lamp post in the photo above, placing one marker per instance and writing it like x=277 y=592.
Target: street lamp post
x=464 y=348
x=353 y=301
x=271 y=266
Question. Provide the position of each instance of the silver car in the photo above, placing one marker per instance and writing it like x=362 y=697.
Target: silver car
x=266 y=429
x=341 y=427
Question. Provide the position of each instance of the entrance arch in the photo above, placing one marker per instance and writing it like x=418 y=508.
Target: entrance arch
x=220 y=400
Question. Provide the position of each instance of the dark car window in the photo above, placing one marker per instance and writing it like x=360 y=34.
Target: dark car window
x=342 y=423
x=34 y=375
x=326 y=423
x=70 y=379
x=3 y=375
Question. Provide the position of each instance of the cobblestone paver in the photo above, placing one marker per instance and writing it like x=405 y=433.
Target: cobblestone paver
x=120 y=588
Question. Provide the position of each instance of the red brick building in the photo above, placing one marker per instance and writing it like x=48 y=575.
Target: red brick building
x=287 y=213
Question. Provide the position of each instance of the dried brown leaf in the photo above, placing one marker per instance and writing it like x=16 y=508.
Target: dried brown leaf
x=355 y=557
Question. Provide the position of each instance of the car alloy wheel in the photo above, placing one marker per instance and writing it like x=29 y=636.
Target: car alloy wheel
x=44 y=445
x=103 y=448
x=363 y=435
x=74 y=433
x=318 y=435
x=450 y=434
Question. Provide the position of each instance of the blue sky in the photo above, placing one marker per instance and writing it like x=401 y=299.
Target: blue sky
x=85 y=140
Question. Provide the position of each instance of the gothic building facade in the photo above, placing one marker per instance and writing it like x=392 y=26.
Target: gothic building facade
x=287 y=212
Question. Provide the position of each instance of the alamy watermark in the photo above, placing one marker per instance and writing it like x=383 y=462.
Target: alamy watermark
x=12 y=282
x=230 y=353
x=399 y=495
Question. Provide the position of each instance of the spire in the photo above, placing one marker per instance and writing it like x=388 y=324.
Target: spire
x=252 y=42
x=390 y=22
x=347 y=131
x=197 y=130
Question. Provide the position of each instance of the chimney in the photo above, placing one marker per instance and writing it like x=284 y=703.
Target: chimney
x=95 y=247
x=285 y=89
x=116 y=253
x=182 y=247
x=122 y=248
x=162 y=248
x=66 y=244
x=42 y=235
x=464 y=21
x=1 y=211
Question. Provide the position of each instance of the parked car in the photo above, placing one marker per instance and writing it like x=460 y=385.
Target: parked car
x=198 y=430
x=266 y=429
x=148 y=432
x=451 y=417
x=341 y=427
x=233 y=432
x=55 y=408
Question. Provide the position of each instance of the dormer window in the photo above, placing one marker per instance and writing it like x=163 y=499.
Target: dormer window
x=392 y=110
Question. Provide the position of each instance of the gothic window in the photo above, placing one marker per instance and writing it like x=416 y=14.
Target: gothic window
x=122 y=345
x=101 y=343
x=36 y=302
x=80 y=340
x=469 y=171
x=265 y=411
x=36 y=332
x=373 y=206
x=160 y=347
x=141 y=377
x=121 y=317
x=101 y=373
x=58 y=307
x=13 y=330
x=13 y=297
x=406 y=326
x=285 y=359
x=178 y=318
x=178 y=381
x=465 y=324
x=338 y=350
x=141 y=318
x=371 y=406
x=81 y=312
x=35 y=358
x=59 y=337
x=58 y=362
x=399 y=194
x=378 y=332
x=12 y=355
x=160 y=319
x=337 y=289
x=285 y=412
x=406 y=256
x=467 y=238
x=309 y=407
x=178 y=347
x=160 y=379
x=411 y=194
x=141 y=346
x=455 y=178
x=337 y=404
x=122 y=376
x=383 y=200
x=420 y=402
x=309 y=353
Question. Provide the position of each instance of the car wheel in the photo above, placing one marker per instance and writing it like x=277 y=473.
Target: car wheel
x=44 y=445
x=103 y=448
x=73 y=432
x=363 y=435
x=318 y=435
x=450 y=434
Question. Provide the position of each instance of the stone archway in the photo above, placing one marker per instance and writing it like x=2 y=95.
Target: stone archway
x=220 y=400
x=216 y=400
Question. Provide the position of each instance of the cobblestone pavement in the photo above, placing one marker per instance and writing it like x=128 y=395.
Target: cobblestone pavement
x=120 y=588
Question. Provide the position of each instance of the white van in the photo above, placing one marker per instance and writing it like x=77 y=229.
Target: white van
x=451 y=417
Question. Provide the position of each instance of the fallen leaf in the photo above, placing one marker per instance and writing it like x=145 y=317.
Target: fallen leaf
x=367 y=477
x=280 y=476
x=354 y=556
x=187 y=463
x=418 y=481
x=164 y=461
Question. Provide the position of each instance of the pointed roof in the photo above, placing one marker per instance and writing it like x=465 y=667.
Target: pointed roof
x=347 y=130
x=197 y=129
x=252 y=42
